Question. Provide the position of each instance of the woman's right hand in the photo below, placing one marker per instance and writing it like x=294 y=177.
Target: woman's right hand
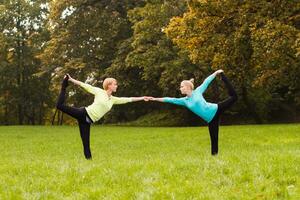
x=147 y=98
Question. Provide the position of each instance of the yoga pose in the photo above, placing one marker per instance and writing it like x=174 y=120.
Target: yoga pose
x=210 y=112
x=85 y=116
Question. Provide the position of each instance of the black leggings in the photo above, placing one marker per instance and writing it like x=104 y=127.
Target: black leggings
x=81 y=115
x=213 y=125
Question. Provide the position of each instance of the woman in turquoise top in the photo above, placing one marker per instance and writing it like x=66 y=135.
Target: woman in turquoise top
x=210 y=112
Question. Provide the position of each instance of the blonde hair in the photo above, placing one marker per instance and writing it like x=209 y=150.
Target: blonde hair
x=190 y=83
x=107 y=82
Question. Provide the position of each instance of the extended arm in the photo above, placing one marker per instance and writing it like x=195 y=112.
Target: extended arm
x=176 y=101
x=207 y=81
x=85 y=86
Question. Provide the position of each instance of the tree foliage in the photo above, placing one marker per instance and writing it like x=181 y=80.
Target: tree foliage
x=255 y=42
x=149 y=46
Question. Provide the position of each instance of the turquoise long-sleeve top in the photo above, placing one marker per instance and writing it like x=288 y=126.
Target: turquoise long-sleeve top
x=196 y=102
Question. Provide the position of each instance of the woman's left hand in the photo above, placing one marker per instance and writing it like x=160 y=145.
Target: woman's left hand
x=219 y=71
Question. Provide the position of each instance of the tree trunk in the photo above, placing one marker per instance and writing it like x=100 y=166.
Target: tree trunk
x=62 y=118
x=6 y=115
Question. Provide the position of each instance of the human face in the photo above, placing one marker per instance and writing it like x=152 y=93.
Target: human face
x=113 y=86
x=184 y=88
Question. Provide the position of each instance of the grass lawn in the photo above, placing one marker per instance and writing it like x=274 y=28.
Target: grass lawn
x=47 y=162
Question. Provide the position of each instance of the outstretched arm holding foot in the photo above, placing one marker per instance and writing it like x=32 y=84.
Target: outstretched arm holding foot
x=76 y=82
x=208 y=80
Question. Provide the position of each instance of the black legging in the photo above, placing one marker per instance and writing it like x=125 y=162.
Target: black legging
x=222 y=107
x=80 y=114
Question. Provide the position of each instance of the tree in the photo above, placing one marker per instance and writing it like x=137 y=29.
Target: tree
x=253 y=41
x=84 y=40
x=22 y=36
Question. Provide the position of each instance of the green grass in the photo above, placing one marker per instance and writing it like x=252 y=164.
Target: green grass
x=255 y=162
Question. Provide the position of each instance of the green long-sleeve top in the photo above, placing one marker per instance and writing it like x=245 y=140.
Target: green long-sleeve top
x=102 y=102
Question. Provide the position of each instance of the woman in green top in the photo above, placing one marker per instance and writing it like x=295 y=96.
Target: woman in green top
x=85 y=116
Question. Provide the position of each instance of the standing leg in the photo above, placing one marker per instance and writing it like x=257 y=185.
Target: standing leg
x=213 y=127
x=84 y=128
